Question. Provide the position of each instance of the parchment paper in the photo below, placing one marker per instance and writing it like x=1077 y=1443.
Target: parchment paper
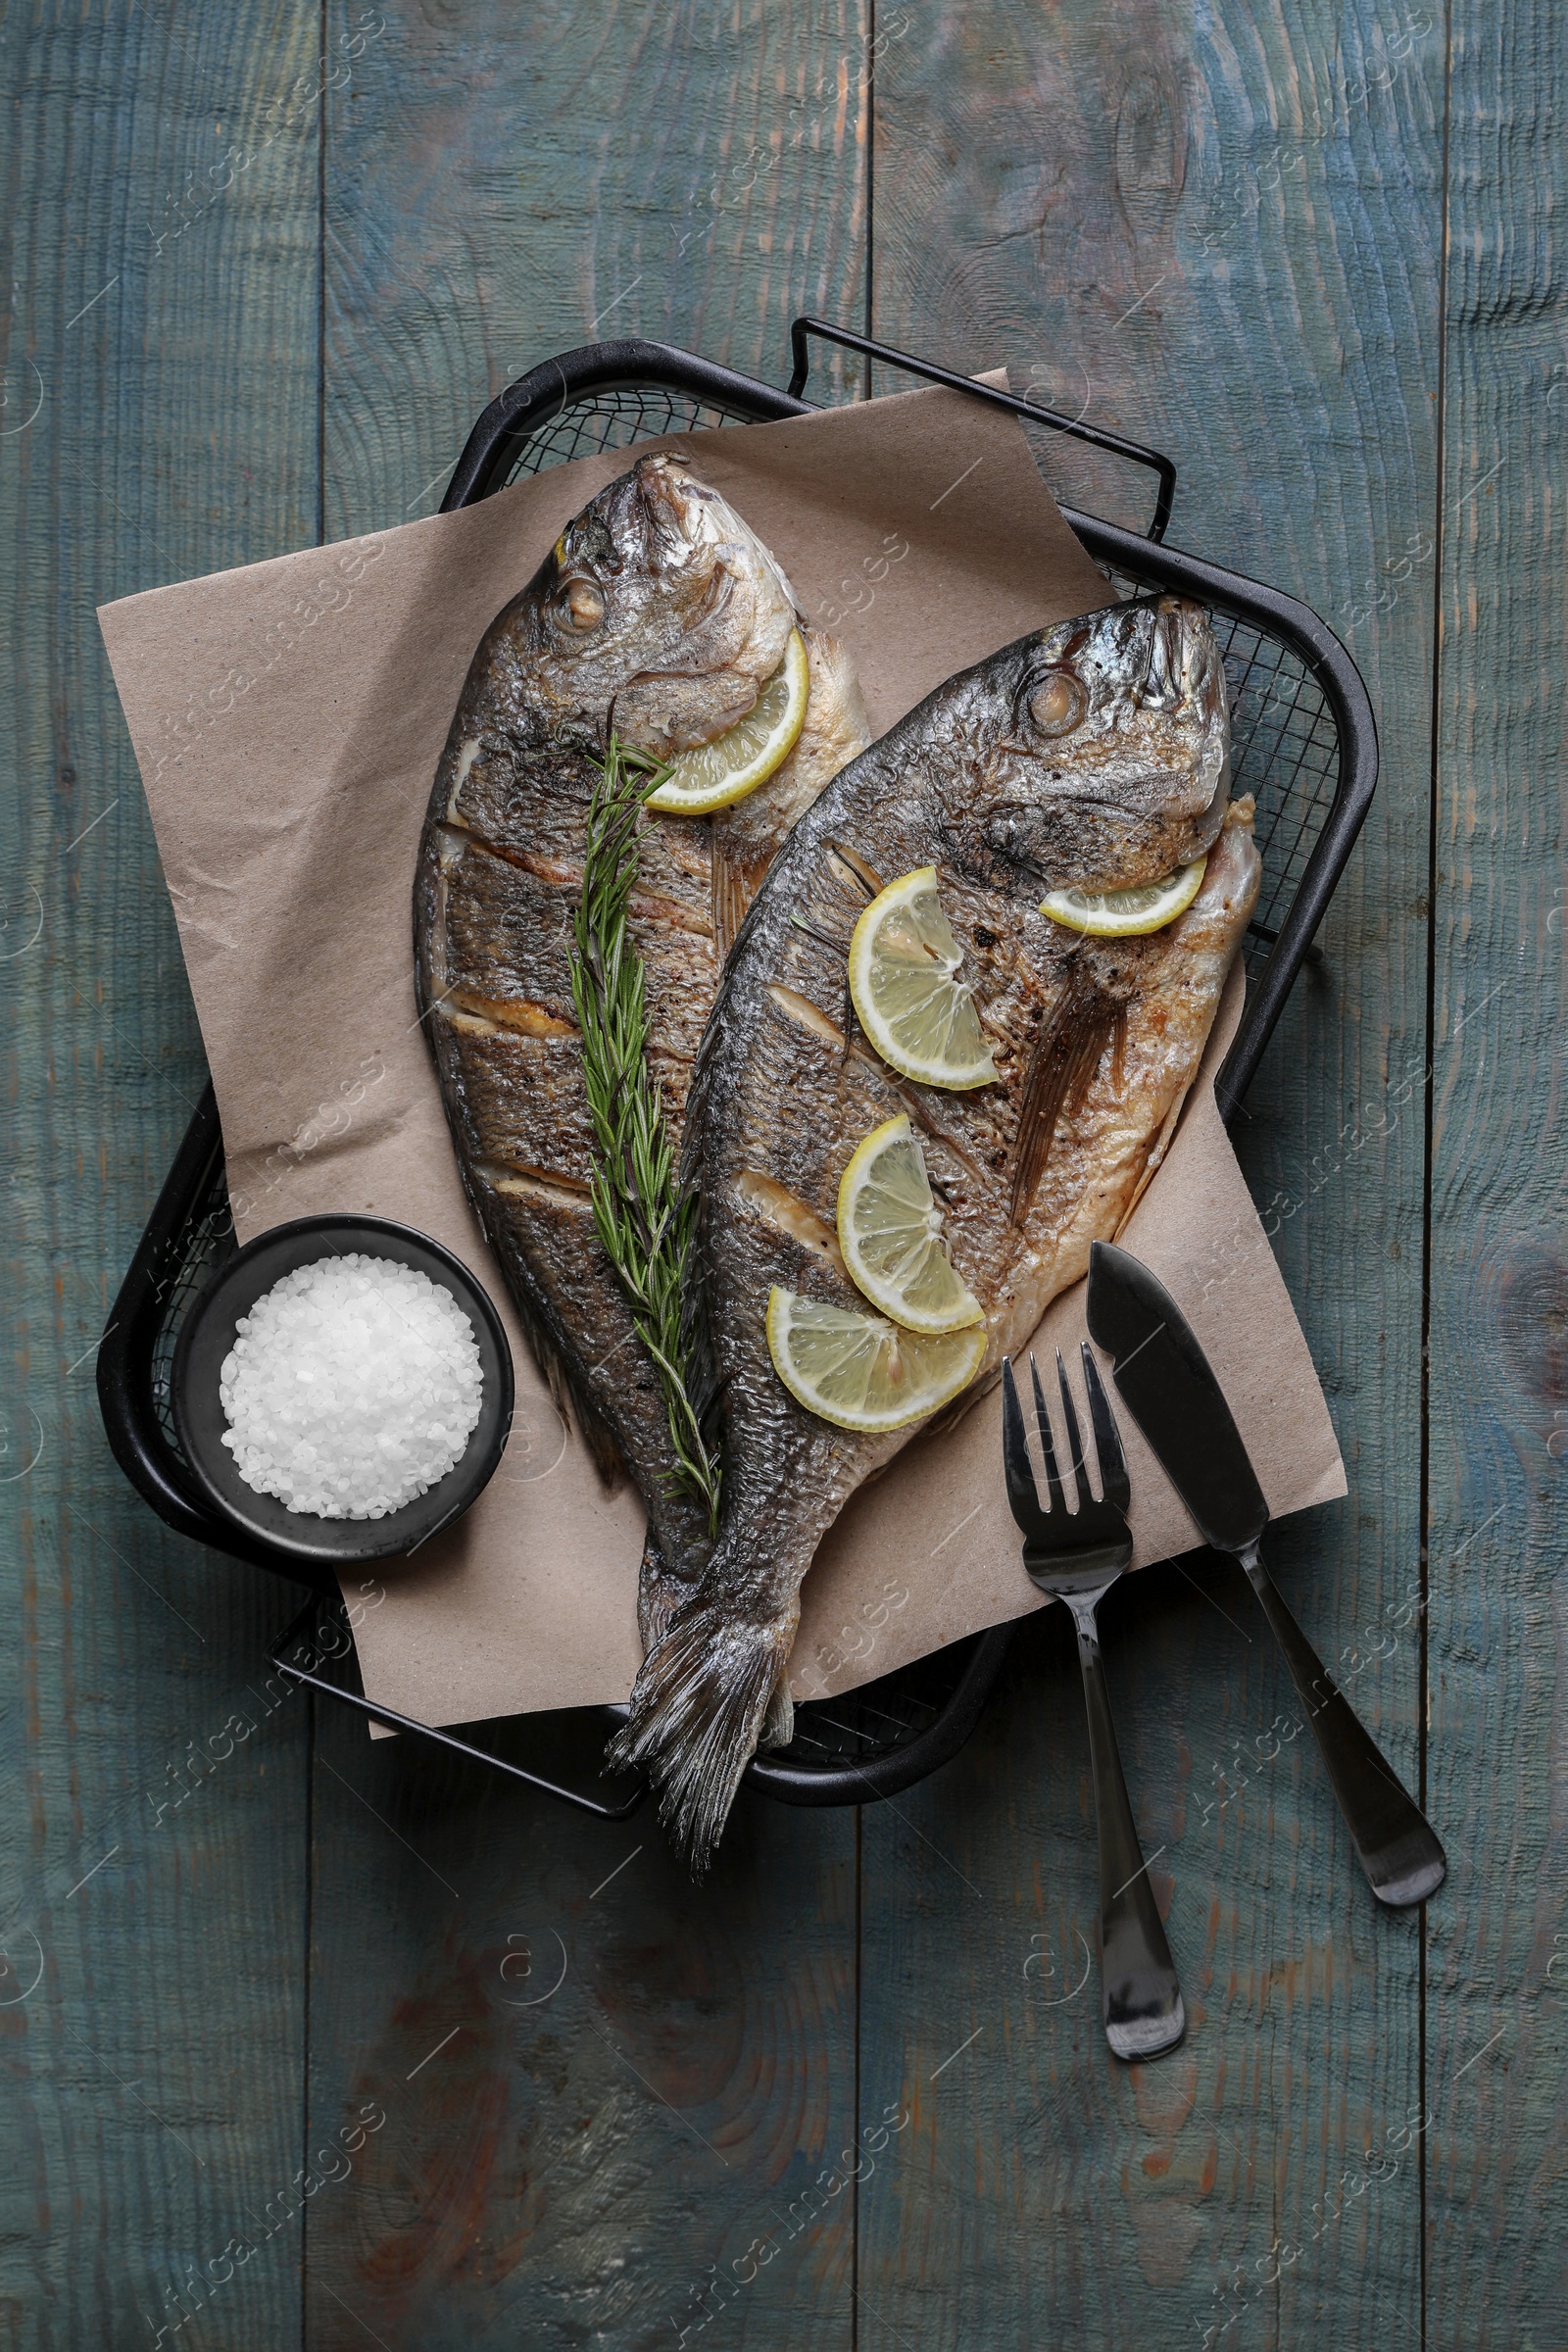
x=287 y=718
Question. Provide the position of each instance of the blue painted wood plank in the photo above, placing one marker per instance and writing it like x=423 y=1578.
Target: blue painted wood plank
x=1219 y=234
x=1231 y=228
x=501 y=191
x=1498 y=2029
x=159 y=371
x=604 y=2162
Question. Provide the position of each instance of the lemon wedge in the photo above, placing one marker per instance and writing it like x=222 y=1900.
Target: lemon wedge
x=890 y=1231
x=1127 y=913
x=902 y=961
x=716 y=774
x=861 y=1372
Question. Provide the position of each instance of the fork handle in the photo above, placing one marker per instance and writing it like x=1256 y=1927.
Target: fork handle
x=1395 y=1842
x=1141 y=2002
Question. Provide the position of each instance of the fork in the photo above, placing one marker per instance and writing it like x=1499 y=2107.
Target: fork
x=1077 y=1558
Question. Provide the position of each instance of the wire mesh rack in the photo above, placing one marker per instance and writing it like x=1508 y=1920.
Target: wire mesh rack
x=1303 y=743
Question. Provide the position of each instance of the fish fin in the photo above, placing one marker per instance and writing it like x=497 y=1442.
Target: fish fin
x=568 y=1399
x=778 y=1725
x=734 y=887
x=1156 y=1153
x=697 y=1709
x=959 y=1409
x=534 y=1313
x=1062 y=1061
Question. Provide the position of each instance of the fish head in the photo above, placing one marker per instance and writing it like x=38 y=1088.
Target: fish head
x=657 y=611
x=1103 y=748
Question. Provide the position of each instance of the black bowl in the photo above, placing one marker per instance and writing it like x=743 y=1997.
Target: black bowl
x=199 y=1417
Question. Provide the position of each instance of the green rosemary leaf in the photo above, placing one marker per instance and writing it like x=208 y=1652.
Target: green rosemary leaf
x=645 y=1231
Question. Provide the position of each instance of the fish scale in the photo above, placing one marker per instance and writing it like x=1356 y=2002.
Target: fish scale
x=660 y=615
x=1092 y=752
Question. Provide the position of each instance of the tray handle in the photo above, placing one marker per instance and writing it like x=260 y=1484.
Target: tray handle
x=1133 y=451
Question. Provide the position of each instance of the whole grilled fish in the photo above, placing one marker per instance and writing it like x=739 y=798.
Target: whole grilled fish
x=660 y=614
x=1093 y=753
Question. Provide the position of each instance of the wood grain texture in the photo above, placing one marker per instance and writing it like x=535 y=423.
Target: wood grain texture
x=499 y=192
x=1498 y=2029
x=599 y=2164
x=1199 y=232
x=160 y=367
x=266 y=267
x=612 y=2108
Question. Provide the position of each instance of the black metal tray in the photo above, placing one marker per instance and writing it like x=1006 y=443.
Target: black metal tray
x=1304 y=743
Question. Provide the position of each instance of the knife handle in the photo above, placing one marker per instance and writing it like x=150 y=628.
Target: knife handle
x=1395 y=1842
x=1141 y=2002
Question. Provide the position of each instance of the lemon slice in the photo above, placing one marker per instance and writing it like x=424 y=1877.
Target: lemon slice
x=861 y=1372
x=1127 y=913
x=920 y=1018
x=890 y=1231
x=745 y=754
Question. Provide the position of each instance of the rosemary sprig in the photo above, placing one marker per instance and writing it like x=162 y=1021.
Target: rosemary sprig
x=645 y=1232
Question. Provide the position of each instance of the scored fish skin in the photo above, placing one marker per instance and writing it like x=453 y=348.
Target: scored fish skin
x=657 y=613
x=745 y=837
x=1127 y=780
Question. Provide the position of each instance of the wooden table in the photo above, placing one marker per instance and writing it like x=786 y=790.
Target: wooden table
x=256 y=300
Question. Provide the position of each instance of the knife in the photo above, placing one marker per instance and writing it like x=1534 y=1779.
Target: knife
x=1168 y=1386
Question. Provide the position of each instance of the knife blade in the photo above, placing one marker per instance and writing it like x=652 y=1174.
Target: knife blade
x=1168 y=1386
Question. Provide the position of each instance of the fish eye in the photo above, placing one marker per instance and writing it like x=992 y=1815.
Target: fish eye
x=582 y=604
x=1057 y=704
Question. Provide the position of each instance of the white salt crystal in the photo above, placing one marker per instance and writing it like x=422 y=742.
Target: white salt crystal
x=352 y=1387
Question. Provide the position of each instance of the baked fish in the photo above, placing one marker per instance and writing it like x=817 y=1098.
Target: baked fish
x=659 y=615
x=1092 y=756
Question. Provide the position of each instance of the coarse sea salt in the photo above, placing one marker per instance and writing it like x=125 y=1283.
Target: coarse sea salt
x=352 y=1387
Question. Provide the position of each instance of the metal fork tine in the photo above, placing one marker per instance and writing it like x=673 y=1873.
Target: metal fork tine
x=1023 y=1495
x=1114 y=1483
x=1058 y=1500
x=1075 y=1444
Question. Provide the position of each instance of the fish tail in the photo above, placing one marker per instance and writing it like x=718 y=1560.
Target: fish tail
x=698 y=1707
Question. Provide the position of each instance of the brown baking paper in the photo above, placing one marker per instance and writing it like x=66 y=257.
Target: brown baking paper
x=288 y=719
